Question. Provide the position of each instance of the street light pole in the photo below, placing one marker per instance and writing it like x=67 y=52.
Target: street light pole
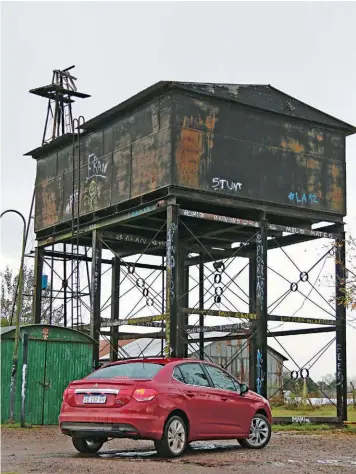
x=18 y=314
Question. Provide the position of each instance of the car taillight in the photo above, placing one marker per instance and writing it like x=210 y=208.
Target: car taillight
x=144 y=394
x=65 y=394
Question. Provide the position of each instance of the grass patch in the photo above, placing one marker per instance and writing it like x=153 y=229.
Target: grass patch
x=310 y=427
x=302 y=427
x=325 y=410
x=14 y=425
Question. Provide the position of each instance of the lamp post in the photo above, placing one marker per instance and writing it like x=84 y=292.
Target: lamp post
x=18 y=314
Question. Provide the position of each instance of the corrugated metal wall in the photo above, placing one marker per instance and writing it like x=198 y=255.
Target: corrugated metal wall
x=221 y=353
x=249 y=153
x=55 y=358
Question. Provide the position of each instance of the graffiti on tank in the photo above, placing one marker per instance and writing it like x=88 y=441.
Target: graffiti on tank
x=260 y=277
x=92 y=195
x=220 y=183
x=69 y=204
x=303 y=198
x=96 y=167
x=300 y=419
x=96 y=171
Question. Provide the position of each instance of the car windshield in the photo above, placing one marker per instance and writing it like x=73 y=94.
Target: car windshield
x=131 y=370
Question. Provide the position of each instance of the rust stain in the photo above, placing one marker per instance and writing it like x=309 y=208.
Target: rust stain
x=210 y=122
x=336 y=194
x=192 y=146
x=335 y=171
x=145 y=166
x=292 y=145
x=49 y=209
x=189 y=153
x=313 y=164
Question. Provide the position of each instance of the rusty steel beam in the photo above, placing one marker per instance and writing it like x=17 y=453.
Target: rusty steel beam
x=341 y=365
x=299 y=319
x=261 y=308
x=96 y=295
x=318 y=233
x=215 y=312
x=124 y=216
x=134 y=321
x=133 y=239
x=210 y=199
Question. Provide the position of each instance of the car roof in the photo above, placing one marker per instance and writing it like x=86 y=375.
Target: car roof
x=154 y=360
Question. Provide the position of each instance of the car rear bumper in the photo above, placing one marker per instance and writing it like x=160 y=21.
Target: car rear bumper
x=128 y=425
x=99 y=430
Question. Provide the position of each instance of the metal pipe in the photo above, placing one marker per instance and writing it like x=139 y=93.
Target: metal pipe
x=201 y=305
x=18 y=314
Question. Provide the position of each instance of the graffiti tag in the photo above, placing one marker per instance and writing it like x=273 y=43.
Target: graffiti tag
x=303 y=198
x=220 y=183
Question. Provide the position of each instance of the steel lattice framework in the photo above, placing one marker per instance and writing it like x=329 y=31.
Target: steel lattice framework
x=149 y=179
x=168 y=310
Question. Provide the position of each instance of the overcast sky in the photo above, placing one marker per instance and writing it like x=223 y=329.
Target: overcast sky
x=305 y=49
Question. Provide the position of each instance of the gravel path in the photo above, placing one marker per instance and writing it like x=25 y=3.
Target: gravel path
x=47 y=451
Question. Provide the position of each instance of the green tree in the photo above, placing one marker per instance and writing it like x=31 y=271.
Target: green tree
x=8 y=293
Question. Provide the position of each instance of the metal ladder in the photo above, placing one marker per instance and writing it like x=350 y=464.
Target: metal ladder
x=77 y=321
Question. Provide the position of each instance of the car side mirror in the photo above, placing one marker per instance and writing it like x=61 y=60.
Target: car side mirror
x=243 y=388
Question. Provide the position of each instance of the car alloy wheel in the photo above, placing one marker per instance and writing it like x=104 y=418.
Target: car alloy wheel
x=176 y=436
x=260 y=433
x=174 y=440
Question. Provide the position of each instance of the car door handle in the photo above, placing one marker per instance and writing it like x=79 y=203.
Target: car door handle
x=224 y=399
x=189 y=394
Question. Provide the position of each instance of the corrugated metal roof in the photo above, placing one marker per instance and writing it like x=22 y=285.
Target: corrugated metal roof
x=248 y=94
x=6 y=329
x=149 y=347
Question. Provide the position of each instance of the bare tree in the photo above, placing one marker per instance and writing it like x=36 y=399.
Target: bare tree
x=8 y=295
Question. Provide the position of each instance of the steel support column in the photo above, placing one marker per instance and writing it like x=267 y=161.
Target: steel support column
x=37 y=288
x=115 y=307
x=183 y=286
x=172 y=280
x=261 y=308
x=65 y=285
x=252 y=343
x=201 y=305
x=341 y=374
x=95 y=300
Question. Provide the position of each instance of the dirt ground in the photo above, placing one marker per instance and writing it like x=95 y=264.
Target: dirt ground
x=47 y=451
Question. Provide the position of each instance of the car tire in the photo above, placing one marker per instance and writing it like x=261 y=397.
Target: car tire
x=87 y=446
x=175 y=437
x=260 y=433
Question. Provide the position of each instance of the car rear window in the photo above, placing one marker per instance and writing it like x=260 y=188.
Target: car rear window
x=136 y=370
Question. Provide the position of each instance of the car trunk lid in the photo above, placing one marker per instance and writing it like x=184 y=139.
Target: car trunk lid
x=101 y=393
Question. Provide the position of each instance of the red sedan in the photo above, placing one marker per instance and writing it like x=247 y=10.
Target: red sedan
x=169 y=401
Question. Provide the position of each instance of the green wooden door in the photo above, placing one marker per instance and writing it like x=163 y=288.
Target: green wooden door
x=64 y=362
x=7 y=348
x=36 y=364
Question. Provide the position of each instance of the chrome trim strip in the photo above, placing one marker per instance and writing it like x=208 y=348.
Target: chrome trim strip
x=97 y=390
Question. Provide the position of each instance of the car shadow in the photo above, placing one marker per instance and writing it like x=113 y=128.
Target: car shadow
x=152 y=455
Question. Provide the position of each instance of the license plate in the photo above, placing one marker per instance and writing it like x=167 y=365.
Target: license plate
x=94 y=399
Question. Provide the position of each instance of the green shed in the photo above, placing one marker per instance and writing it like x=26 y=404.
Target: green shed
x=56 y=356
